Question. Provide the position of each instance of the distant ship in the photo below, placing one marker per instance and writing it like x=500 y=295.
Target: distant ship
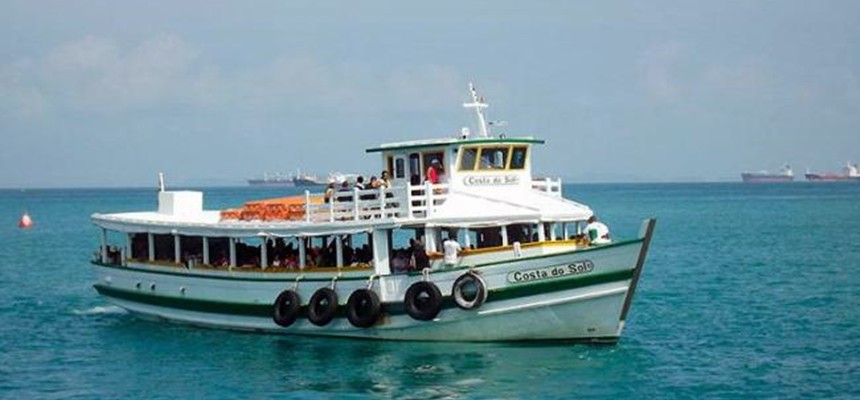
x=277 y=179
x=784 y=175
x=849 y=173
x=299 y=180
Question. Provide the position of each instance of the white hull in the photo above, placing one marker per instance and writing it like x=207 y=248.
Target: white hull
x=585 y=306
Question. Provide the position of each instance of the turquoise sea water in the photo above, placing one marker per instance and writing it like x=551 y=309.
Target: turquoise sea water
x=749 y=291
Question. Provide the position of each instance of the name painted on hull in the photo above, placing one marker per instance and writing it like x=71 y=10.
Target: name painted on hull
x=491 y=180
x=556 y=271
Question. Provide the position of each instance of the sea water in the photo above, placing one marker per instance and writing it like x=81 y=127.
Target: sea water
x=749 y=291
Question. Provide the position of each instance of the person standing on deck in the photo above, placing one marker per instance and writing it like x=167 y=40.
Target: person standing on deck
x=433 y=172
x=419 y=255
x=597 y=232
x=452 y=251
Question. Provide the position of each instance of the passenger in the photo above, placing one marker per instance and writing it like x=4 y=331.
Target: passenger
x=375 y=183
x=432 y=175
x=329 y=193
x=452 y=251
x=359 y=183
x=419 y=255
x=400 y=262
x=597 y=232
x=385 y=180
x=344 y=193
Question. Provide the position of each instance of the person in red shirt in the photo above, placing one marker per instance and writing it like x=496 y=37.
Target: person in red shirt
x=433 y=172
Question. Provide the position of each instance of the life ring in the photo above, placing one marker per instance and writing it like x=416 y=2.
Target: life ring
x=287 y=307
x=469 y=291
x=423 y=301
x=322 y=307
x=363 y=308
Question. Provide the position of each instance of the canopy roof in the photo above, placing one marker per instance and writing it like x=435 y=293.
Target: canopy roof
x=501 y=207
x=208 y=223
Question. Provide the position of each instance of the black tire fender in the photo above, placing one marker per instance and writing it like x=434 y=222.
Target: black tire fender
x=469 y=291
x=363 y=308
x=286 y=308
x=423 y=301
x=322 y=306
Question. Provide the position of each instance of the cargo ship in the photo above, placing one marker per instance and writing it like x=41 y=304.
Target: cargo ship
x=277 y=179
x=288 y=180
x=784 y=175
x=849 y=173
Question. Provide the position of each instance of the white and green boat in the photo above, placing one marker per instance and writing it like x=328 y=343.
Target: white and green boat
x=341 y=264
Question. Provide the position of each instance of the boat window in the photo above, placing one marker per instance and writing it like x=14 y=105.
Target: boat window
x=518 y=157
x=399 y=168
x=518 y=233
x=415 y=169
x=489 y=237
x=493 y=158
x=467 y=158
x=139 y=246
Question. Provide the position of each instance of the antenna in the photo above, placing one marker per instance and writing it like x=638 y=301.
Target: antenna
x=478 y=104
x=160 y=181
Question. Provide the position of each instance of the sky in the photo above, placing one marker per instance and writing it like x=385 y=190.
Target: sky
x=109 y=93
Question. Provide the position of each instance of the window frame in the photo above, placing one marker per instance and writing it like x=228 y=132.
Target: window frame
x=525 y=158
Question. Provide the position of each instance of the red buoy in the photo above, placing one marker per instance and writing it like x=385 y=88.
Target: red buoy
x=25 y=222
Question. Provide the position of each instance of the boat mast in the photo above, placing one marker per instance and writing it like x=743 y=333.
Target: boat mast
x=479 y=105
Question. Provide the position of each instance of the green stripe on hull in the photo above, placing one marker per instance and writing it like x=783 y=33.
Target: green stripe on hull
x=266 y=310
x=208 y=306
x=555 y=285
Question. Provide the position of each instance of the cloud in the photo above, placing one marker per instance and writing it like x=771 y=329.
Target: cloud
x=98 y=75
x=658 y=64
x=739 y=78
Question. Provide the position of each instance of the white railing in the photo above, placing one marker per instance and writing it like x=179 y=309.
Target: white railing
x=412 y=201
x=548 y=185
x=423 y=200
x=352 y=205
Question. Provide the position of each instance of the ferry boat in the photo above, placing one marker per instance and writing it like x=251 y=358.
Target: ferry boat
x=850 y=173
x=784 y=175
x=374 y=264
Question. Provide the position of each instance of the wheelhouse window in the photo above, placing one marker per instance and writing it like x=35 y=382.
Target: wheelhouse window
x=518 y=157
x=467 y=158
x=493 y=158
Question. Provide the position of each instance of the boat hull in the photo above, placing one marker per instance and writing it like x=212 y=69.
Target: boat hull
x=271 y=182
x=831 y=178
x=766 y=178
x=530 y=298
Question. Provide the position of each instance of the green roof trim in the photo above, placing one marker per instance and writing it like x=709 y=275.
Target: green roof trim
x=449 y=142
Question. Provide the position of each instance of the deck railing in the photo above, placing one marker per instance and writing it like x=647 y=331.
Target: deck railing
x=403 y=202
x=548 y=185
x=412 y=201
